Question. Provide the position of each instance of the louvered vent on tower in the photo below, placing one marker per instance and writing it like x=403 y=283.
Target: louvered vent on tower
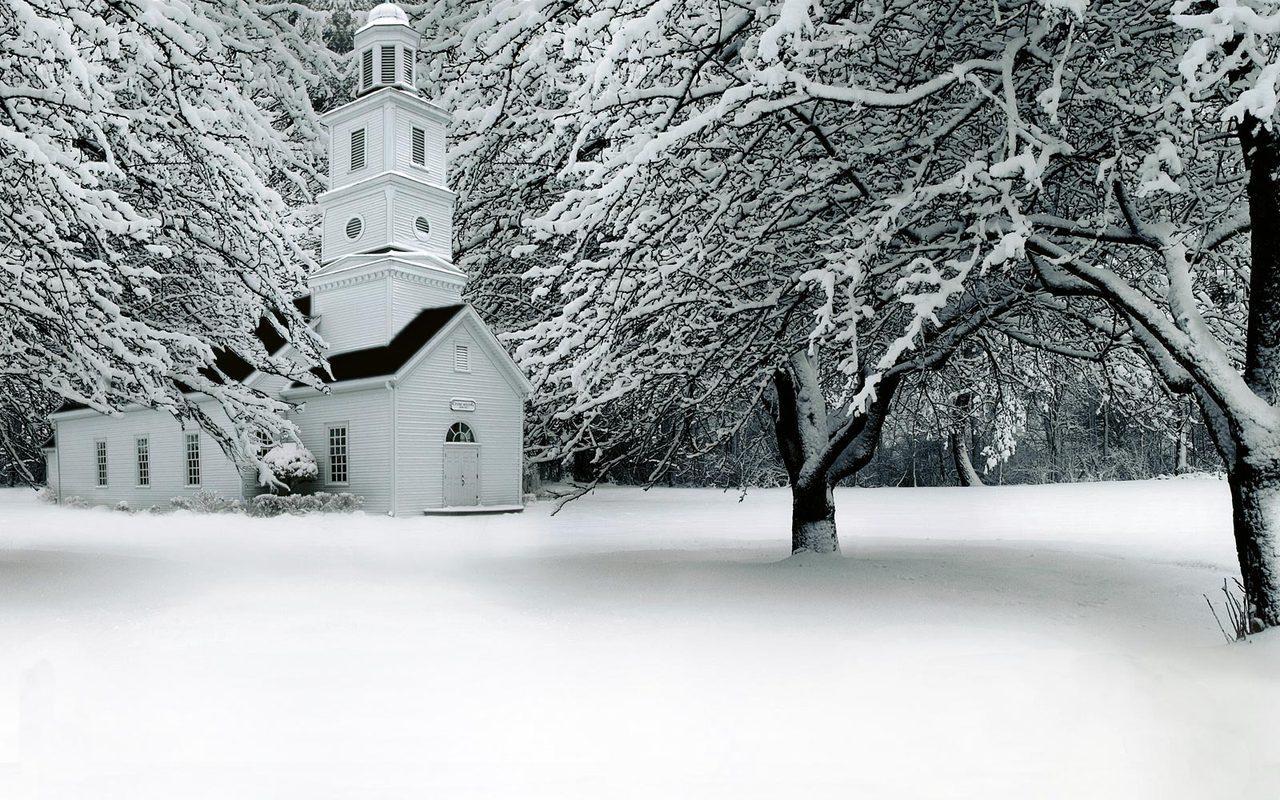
x=357 y=149
x=388 y=75
x=420 y=147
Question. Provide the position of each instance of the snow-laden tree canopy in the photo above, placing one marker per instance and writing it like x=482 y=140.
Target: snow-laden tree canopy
x=710 y=189
x=154 y=162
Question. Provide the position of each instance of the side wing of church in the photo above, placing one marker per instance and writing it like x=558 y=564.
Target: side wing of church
x=425 y=410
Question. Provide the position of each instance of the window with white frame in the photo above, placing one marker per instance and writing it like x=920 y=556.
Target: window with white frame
x=460 y=433
x=461 y=358
x=338 y=453
x=144 y=461
x=193 y=458
x=100 y=461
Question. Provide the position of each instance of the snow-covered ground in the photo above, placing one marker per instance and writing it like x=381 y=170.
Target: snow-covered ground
x=1046 y=642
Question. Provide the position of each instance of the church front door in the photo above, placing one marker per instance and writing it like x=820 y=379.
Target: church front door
x=461 y=475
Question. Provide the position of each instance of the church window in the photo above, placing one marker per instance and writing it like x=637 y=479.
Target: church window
x=388 y=74
x=100 y=458
x=461 y=358
x=357 y=149
x=366 y=69
x=420 y=147
x=460 y=433
x=144 y=461
x=422 y=228
x=193 y=459
x=408 y=65
x=337 y=454
x=355 y=226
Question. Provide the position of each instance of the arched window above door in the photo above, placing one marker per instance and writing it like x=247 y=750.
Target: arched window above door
x=459 y=433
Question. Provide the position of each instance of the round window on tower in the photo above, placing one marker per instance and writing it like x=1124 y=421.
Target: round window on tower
x=355 y=226
x=422 y=228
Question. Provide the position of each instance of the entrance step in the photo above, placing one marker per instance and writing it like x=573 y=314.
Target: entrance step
x=459 y=511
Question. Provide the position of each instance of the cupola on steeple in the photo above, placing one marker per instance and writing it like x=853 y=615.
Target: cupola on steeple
x=386 y=48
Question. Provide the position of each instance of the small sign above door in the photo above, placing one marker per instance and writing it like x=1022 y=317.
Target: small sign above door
x=462 y=404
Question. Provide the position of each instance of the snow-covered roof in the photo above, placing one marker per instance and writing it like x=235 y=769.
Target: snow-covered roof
x=386 y=14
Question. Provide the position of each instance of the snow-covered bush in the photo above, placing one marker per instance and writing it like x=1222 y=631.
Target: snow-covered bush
x=271 y=505
x=291 y=464
x=207 y=502
x=76 y=501
x=123 y=505
x=47 y=494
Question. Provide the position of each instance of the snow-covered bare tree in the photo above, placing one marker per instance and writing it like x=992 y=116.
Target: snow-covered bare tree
x=704 y=159
x=715 y=209
x=147 y=153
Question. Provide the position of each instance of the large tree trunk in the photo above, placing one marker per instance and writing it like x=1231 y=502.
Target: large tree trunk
x=1255 y=507
x=1255 y=474
x=966 y=474
x=800 y=424
x=813 y=520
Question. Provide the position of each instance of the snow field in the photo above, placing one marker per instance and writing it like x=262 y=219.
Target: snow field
x=1047 y=642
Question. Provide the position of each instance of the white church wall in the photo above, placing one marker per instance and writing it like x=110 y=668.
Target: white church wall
x=51 y=469
x=424 y=416
x=367 y=416
x=410 y=295
x=438 y=211
x=406 y=121
x=166 y=445
x=353 y=316
x=371 y=209
x=340 y=172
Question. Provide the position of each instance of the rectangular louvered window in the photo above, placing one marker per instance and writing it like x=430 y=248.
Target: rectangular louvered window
x=366 y=69
x=337 y=454
x=408 y=65
x=100 y=457
x=357 y=149
x=193 y=459
x=461 y=358
x=144 y=461
x=388 y=64
x=420 y=147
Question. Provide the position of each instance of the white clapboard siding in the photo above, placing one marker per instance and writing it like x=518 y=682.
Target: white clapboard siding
x=77 y=467
x=411 y=294
x=406 y=121
x=424 y=416
x=438 y=211
x=51 y=469
x=340 y=173
x=367 y=415
x=353 y=315
x=371 y=208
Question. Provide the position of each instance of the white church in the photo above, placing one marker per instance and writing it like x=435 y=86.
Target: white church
x=425 y=410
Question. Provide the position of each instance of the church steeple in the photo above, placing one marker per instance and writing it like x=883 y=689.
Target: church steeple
x=388 y=214
x=387 y=188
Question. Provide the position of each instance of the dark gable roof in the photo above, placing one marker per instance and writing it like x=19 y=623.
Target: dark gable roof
x=231 y=364
x=236 y=367
x=373 y=362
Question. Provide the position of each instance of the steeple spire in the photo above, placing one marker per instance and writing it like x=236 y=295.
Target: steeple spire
x=387 y=232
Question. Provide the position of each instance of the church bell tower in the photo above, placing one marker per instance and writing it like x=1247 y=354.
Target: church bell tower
x=386 y=243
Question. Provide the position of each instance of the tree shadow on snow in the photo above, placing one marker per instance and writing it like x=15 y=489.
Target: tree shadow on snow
x=894 y=583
